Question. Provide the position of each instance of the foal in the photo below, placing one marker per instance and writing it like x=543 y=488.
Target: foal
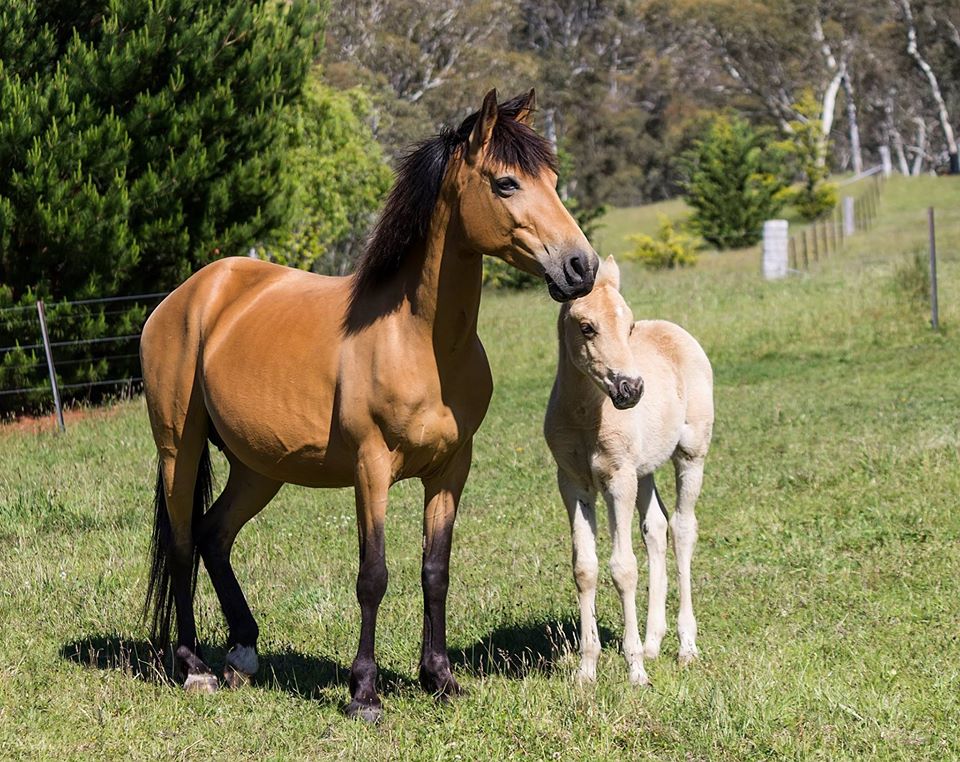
x=609 y=430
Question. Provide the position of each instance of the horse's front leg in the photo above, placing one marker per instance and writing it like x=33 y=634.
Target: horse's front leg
x=441 y=498
x=373 y=478
x=620 y=494
x=579 y=501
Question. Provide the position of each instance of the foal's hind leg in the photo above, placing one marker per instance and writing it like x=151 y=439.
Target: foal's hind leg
x=620 y=493
x=245 y=495
x=579 y=501
x=654 y=527
x=683 y=525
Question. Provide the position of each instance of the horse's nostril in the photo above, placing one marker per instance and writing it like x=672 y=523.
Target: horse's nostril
x=639 y=387
x=576 y=264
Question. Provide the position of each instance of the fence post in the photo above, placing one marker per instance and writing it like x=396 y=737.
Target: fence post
x=849 y=223
x=53 y=373
x=886 y=161
x=934 y=307
x=775 y=249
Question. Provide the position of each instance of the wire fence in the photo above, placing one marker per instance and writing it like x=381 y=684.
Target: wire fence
x=85 y=348
x=826 y=235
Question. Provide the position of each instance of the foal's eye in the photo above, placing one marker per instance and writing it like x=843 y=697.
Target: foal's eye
x=587 y=330
x=506 y=186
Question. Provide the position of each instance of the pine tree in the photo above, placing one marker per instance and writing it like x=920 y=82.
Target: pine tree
x=732 y=184
x=140 y=140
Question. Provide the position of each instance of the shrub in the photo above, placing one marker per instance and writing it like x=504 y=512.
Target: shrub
x=805 y=148
x=668 y=250
x=733 y=183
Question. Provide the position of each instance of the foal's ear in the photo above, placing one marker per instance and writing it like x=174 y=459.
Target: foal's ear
x=527 y=107
x=483 y=129
x=609 y=273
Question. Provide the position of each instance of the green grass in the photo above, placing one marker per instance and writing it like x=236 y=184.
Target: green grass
x=826 y=579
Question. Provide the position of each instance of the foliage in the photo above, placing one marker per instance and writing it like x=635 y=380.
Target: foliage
x=806 y=149
x=139 y=141
x=339 y=177
x=667 y=250
x=732 y=183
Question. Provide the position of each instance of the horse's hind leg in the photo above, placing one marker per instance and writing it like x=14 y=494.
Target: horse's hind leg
x=245 y=495
x=654 y=527
x=683 y=525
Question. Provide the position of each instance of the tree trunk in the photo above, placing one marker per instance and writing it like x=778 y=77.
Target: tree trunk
x=855 y=153
x=914 y=52
x=921 y=148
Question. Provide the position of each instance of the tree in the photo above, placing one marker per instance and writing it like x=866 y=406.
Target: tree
x=733 y=183
x=339 y=177
x=140 y=140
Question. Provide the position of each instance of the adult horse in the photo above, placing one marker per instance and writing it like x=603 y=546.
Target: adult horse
x=357 y=381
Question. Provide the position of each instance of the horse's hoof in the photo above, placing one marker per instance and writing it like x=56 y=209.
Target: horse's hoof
x=585 y=677
x=201 y=682
x=235 y=679
x=685 y=658
x=651 y=652
x=367 y=712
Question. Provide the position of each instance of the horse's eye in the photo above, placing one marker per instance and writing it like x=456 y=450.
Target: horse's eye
x=506 y=186
x=587 y=330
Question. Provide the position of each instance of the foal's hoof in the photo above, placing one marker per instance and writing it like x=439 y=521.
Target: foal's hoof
x=201 y=682
x=367 y=712
x=685 y=658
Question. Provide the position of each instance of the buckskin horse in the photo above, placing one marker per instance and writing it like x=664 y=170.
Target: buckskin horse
x=359 y=381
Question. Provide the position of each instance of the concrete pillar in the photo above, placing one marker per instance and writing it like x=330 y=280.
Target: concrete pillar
x=775 y=241
x=849 y=220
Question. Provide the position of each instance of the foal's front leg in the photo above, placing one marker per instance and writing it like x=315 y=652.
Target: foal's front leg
x=372 y=483
x=441 y=498
x=579 y=501
x=620 y=493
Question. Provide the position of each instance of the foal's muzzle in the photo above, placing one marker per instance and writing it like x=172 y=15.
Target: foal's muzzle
x=574 y=278
x=627 y=392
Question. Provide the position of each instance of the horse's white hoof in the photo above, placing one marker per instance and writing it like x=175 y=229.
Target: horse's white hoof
x=687 y=656
x=639 y=678
x=242 y=664
x=651 y=651
x=201 y=682
x=586 y=676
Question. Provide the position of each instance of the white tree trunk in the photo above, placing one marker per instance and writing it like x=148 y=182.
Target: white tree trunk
x=855 y=152
x=914 y=52
x=921 y=148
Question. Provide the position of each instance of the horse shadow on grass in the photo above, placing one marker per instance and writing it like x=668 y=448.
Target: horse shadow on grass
x=518 y=650
x=301 y=675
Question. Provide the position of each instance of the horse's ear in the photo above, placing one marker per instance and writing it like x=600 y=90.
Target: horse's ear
x=525 y=115
x=609 y=273
x=483 y=129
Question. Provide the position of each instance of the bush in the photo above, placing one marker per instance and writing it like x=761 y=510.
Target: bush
x=805 y=148
x=733 y=183
x=670 y=248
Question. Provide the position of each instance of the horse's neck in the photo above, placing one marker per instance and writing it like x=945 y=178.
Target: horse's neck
x=441 y=280
x=579 y=395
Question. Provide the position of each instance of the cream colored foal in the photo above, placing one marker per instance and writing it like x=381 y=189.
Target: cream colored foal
x=629 y=396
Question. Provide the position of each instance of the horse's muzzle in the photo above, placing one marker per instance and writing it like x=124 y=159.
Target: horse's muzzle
x=575 y=278
x=627 y=393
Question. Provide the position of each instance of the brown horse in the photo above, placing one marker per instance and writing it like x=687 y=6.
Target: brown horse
x=363 y=380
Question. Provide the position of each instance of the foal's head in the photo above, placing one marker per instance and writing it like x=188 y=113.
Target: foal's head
x=595 y=332
x=506 y=180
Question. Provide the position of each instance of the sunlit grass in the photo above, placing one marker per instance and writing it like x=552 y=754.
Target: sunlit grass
x=826 y=579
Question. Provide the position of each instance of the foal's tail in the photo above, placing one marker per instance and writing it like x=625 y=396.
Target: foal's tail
x=159 y=603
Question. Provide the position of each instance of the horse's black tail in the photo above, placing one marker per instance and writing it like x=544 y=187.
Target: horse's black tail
x=159 y=603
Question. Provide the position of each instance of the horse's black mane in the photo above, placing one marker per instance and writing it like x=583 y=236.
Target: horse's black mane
x=406 y=215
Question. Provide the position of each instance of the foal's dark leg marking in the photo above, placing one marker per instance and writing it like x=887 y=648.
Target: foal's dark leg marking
x=663 y=508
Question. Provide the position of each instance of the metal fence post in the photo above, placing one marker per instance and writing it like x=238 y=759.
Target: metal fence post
x=53 y=372
x=934 y=307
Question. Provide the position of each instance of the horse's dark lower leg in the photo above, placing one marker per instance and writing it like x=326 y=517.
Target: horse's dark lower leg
x=371 y=586
x=441 y=496
x=435 y=674
x=188 y=662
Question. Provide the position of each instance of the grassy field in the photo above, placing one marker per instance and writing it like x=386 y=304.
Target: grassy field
x=826 y=580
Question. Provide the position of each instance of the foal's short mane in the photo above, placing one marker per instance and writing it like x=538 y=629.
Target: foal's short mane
x=405 y=218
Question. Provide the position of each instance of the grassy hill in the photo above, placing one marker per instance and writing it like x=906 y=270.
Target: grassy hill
x=826 y=579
